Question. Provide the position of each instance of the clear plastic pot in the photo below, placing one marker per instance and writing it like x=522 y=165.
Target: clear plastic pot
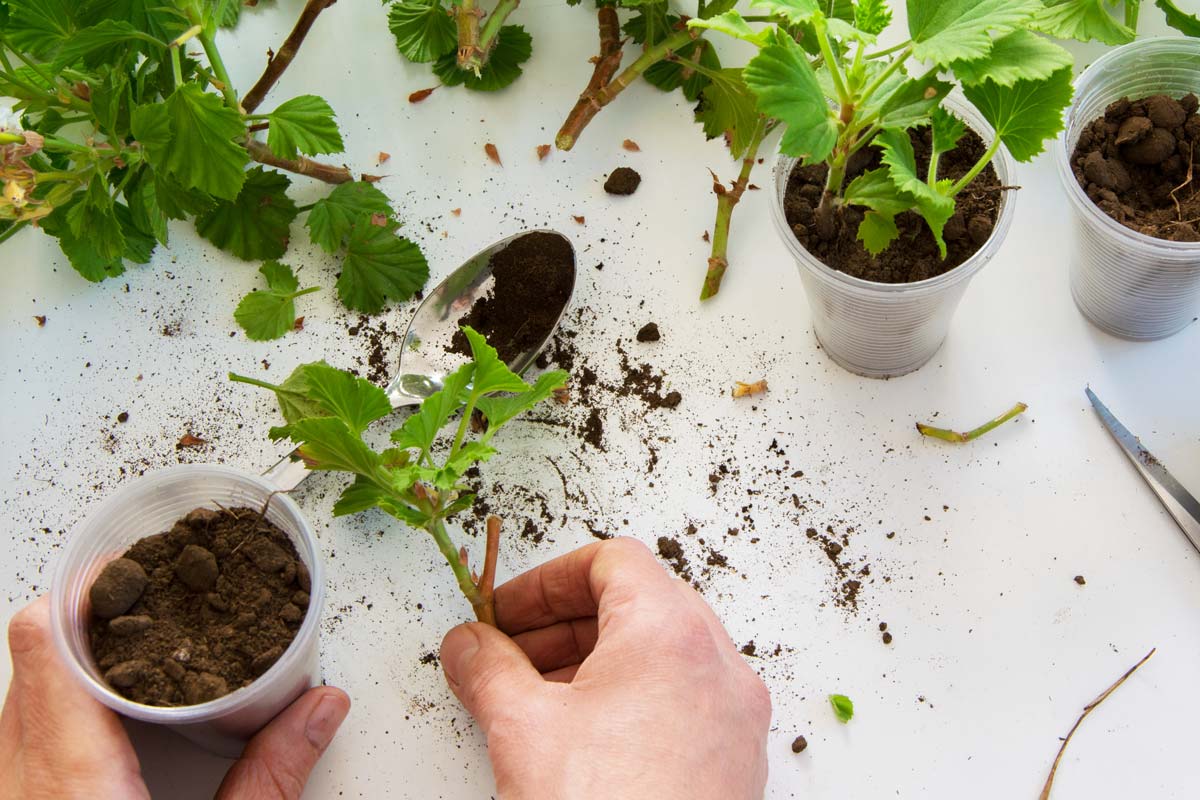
x=882 y=330
x=150 y=505
x=1127 y=283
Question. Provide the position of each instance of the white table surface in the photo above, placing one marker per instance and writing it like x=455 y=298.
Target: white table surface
x=996 y=650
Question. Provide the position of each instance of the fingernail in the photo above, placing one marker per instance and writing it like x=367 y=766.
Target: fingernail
x=458 y=650
x=324 y=720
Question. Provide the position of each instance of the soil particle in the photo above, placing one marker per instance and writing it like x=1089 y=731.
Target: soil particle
x=216 y=607
x=671 y=551
x=623 y=181
x=799 y=744
x=887 y=638
x=117 y=588
x=1079 y=579
x=123 y=417
x=1136 y=164
x=533 y=276
x=915 y=257
x=649 y=333
x=749 y=648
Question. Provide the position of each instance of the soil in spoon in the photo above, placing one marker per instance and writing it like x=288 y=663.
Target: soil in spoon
x=533 y=279
x=914 y=255
x=200 y=610
x=1136 y=163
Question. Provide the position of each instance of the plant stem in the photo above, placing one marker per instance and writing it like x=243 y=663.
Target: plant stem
x=484 y=608
x=606 y=63
x=301 y=166
x=233 y=376
x=961 y=438
x=303 y=292
x=491 y=29
x=983 y=161
x=176 y=68
x=839 y=84
x=487 y=580
x=1132 y=8
x=882 y=77
x=589 y=105
x=218 y=67
x=11 y=138
x=727 y=200
x=12 y=231
x=278 y=62
x=466 y=18
x=893 y=49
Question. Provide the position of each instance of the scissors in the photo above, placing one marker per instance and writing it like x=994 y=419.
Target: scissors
x=1179 y=503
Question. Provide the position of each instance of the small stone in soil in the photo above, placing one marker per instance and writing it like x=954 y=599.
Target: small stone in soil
x=622 y=181
x=127 y=673
x=883 y=626
x=266 y=555
x=263 y=661
x=649 y=333
x=123 y=416
x=799 y=744
x=887 y=638
x=201 y=687
x=1079 y=579
x=117 y=588
x=127 y=626
x=196 y=568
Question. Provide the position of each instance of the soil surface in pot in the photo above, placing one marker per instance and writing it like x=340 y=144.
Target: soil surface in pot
x=533 y=279
x=914 y=255
x=1136 y=163
x=191 y=614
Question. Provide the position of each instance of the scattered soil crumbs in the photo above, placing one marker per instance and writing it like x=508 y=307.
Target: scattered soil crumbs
x=749 y=648
x=383 y=343
x=649 y=333
x=534 y=276
x=191 y=614
x=672 y=552
x=799 y=744
x=1137 y=164
x=914 y=256
x=623 y=181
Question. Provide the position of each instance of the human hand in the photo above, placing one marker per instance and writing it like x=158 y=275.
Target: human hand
x=618 y=681
x=57 y=742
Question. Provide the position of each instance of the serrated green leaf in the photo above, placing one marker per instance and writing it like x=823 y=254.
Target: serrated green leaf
x=39 y=27
x=350 y=204
x=876 y=190
x=270 y=314
x=499 y=410
x=872 y=16
x=356 y=402
x=1021 y=55
x=379 y=266
x=727 y=108
x=1025 y=114
x=947 y=130
x=255 y=225
x=87 y=262
x=786 y=88
x=1188 y=24
x=513 y=48
x=491 y=374
x=102 y=36
x=650 y=25
x=304 y=124
x=112 y=101
x=294 y=394
x=794 y=11
x=1084 y=20
x=153 y=17
x=201 y=152
x=912 y=101
x=929 y=201
x=945 y=31
x=93 y=218
x=151 y=126
x=843 y=707
x=143 y=205
x=424 y=30
x=731 y=24
x=178 y=202
x=685 y=73
x=327 y=444
x=468 y=455
x=421 y=429
x=361 y=495
x=845 y=32
x=877 y=232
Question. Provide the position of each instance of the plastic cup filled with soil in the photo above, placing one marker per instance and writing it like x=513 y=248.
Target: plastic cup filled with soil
x=885 y=315
x=1128 y=165
x=191 y=598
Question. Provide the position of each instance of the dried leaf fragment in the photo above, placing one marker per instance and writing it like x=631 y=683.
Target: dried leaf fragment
x=298 y=325
x=706 y=237
x=188 y=440
x=456 y=212
x=421 y=94
x=383 y=156
x=492 y=153
x=379 y=220
x=41 y=320
x=749 y=389
x=580 y=220
x=371 y=178
x=543 y=150
x=631 y=146
x=562 y=395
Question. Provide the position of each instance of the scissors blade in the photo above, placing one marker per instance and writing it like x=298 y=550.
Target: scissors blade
x=1178 y=501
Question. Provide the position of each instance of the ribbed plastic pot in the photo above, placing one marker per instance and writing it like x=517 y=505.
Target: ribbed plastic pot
x=883 y=330
x=1127 y=283
x=150 y=505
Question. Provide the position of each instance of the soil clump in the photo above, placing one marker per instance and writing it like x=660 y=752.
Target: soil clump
x=623 y=181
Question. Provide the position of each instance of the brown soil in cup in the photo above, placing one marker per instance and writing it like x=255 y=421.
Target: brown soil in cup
x=914 y=255
x=533 y=281
x=1136 y=163
x=200 y=610
x=623 y=181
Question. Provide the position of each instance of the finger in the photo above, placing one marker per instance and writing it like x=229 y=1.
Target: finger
x=559 y=645
x=564 y=675
x=488 y=673
x=616 y=572
x=276 y=763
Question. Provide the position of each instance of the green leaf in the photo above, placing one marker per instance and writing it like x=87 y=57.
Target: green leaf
x=201 y=151
x=727 y=107
x=424 y=30
x=872 y=16
x=845 y=32
x=256 y=225
x=361 y=495
x=145 y=209
x=930 y=201
x=1187 y=24
x=912 y=101
x=513 y=48
x=877 y=231
x=843 y=707
x=421 y=429
x=731 y=24
x=153 y=17
x=294 y=394
x=944 y=31
x=674 y=74
x=303 y=124
x=786 y=88
x=650 y=25
x=356 y=402
x=499 y=410
x=93 y=218
x=39 y=27
x=151 y=126
x=111 y=101
x=178 y=202
x=468 y=455
x=947 y=130
x=1025 y=114
x=794 y=11
x=87 y=262
x=85 y=42
x=1021 y=55
x=350 y=204
x=491 y=374
x=270 y=314
x=327 y=444
x=379 y=266
x=876 y=190
x=1084 y=20
x=716 y=8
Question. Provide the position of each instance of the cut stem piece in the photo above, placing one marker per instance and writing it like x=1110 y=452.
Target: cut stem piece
x=279 y=62
x=485 y=610
x=947 y=435
x=727 y=200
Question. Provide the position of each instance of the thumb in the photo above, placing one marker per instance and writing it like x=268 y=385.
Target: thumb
x=276 y=763
x=488 y=672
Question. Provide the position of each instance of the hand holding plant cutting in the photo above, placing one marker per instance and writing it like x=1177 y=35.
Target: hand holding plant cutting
x=328 y=410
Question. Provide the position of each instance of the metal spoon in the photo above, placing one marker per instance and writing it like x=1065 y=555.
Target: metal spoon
x=422 y=369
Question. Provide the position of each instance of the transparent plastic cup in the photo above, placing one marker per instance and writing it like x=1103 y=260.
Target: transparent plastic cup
x=1127 y=283
x=883 y=330
x=150 y=505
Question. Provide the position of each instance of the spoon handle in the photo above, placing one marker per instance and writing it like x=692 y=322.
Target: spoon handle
x=289 y=473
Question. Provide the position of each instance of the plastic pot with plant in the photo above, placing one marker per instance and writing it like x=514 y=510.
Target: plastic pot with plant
x=893 y=186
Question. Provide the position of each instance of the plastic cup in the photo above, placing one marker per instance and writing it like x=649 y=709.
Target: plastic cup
x=883 y=330
x=1127 y=283
x=153 y=504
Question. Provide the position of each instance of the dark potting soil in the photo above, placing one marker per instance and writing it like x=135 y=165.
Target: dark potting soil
x=533 y=280
x=623 y=180
x=649 y=333
x=196 y=612
x=914 y=255
x=1136 y=165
